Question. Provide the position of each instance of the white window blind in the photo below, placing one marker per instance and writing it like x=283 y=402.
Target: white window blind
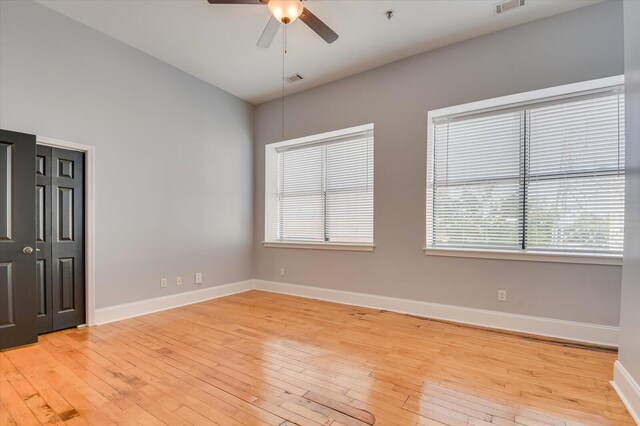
x=325 y=190
x=548 y=176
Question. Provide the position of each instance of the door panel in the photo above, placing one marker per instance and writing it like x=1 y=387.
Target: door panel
x=6 y=164
x=65 y=168
x=17 y=231
x=6 y=294
x=41 y=211
x=61 y=207
x=40 y=163
x=65 y=214
x=67 y=246
x=41 y=288
x=65 y=267
x=43 y=233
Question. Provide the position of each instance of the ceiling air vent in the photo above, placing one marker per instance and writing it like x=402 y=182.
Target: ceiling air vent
x=293 y=78
x=507 y=5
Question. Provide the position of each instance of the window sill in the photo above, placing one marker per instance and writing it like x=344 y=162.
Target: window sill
x=531 y=256
x=319 y=246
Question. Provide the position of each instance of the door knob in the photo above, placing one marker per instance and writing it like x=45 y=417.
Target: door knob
x=27 y=250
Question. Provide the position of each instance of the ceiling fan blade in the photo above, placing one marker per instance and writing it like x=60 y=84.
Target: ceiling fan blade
x=269 y=33
x=237 y=1
x=318 y=26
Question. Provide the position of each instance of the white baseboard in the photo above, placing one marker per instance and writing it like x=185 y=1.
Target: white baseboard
x=628 y=390
x=143 y=307
x=582 y=332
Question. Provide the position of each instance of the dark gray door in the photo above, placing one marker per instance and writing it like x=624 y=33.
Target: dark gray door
x=17 y=240
x=60 y=235
x=43 y=239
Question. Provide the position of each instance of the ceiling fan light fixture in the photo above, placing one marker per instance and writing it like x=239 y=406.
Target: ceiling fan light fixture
x=285 y=11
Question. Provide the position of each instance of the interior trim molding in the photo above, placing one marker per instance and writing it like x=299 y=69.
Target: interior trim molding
x=320 y=246
x=148 y=306
x=628 y=390
x=527 y=255
x=549 y=327
x=561 y=329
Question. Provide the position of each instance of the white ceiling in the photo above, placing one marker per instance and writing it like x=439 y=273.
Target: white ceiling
x=217 y=43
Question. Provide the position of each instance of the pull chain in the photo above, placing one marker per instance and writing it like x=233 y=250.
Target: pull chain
x=284 y=52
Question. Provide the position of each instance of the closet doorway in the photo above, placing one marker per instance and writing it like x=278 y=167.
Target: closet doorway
x=43 y=279
x=60 y=284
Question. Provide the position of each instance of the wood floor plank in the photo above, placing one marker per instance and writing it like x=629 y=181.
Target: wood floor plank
x=5 y=416
x=261 y=358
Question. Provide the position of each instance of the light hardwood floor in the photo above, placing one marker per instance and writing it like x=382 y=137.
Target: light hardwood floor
x=263 y=358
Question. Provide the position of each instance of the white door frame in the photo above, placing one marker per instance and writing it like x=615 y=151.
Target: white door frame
x=89 y=219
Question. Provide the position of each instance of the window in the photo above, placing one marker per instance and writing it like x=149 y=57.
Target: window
x=319 y=190
x=540 y=176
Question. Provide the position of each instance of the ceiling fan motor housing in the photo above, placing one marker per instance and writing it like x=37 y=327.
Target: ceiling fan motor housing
x=285 y=11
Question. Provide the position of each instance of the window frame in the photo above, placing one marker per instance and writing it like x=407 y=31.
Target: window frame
x=495 y=104
x=271 y=194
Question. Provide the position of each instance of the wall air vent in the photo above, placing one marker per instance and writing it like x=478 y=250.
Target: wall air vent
x=293 y=78
x=507 y=5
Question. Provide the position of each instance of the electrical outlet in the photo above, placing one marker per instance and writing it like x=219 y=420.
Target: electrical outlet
x=198 y=277
x=163 y=282
x=179 y=281
x=282 y=272
x=502 y=295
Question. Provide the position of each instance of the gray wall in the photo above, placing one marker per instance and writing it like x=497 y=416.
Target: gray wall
x=630 y=309
x=174 y=154
x=576 y=46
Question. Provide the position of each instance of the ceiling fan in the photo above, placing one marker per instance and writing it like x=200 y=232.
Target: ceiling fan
x=285 y=12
